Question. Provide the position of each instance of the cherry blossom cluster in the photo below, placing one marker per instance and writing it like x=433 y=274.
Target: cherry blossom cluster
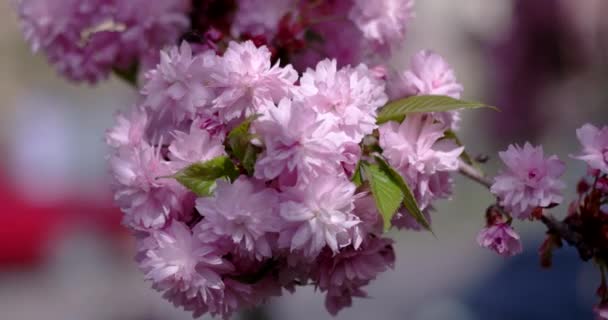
x=285 y=210
x=260 y=155
x=87 y=40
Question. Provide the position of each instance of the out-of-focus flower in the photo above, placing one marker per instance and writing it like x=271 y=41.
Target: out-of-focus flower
x=429 y=74
x=500 y=238
x=529 y=181
x=129 y=129
x=601 y=312
x=260 y=17
x=595 y=146
x=383 y=21
x=85 y=40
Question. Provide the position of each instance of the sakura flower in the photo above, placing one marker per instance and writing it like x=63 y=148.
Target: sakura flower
x=55 y=28
x=129 y=129
x=529 y=181
x=146 y=200
x=351 y=95
x=186 y=270
x=244 y=212
x=196 y=146
x=247 y=79
x=414 y=146
x=352 y=266
x=341 y=38
x=235 y=296
x=85 y=40
x=383 y=21
x=318 y=214
x=179 y=83
x=595 y=146
x=339 y=298
x=429 y=74
x=298 y=142
x=500 y=238
x=150 y=26
x=416 y=150
x=260 y=17
x=343 y=275
x=404 y=220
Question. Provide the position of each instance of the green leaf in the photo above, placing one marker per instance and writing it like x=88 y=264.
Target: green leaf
x=386 y=192
x=409 y=201
x=239 y=141
x=357 y=179
x=398 y=109
x=465 y=156
x=200 y=177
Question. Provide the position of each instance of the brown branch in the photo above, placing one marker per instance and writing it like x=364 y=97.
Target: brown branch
x=472 y=173
x=572 y=237
x=554 y=226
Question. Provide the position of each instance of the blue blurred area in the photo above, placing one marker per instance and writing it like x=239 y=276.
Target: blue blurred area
x=520 y=289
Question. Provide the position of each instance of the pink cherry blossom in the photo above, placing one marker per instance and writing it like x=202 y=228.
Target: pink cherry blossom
x=180 y=83
x=383 y=21
x=500 y=238
x=416 y=150
x=318 y=214
x=188 y=272
x=344 y=274
x=244 y=212
x=196 y=146
x=429 y=74
x=351 y=95
x=415 y=146
x=404 y=220
x=129 y=130
x=298 y=142
x=595 y=146
x=85 y=40
x=529 y=181
x=146 y=200
x=247 y=80
x=260 y=17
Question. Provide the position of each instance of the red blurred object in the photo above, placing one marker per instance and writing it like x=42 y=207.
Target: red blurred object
x=26 y=229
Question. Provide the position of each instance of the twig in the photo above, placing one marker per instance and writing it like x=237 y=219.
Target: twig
x=572 y=237
x=470 y=172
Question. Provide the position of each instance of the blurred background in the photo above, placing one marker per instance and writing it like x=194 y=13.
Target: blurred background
x=64 y=255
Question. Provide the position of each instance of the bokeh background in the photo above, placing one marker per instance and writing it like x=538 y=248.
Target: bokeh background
x=64 y=255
